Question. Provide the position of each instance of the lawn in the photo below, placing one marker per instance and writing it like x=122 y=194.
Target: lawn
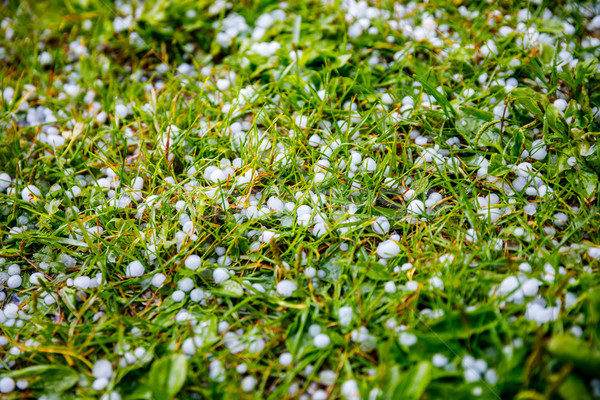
x=299 y=200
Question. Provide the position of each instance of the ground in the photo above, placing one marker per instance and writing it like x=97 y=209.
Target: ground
x=302 y=199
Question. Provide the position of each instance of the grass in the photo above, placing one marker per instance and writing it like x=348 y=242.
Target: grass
x=355 y=92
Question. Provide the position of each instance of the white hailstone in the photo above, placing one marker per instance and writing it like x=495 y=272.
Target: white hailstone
x=241 y=368
x=406 y=267
x=275 y=204
x=594 y=252
x=286 y=288
x=222 y=327
x=319 y=229
x=248 y=383
x=538 y=150
x=561 y=104
x=314 y=330
x=369 y=164
x=31 y=194
x=223 y=84
x=193 y=262
x=285 y=359
x=471 y=235
x=114 y=395
x=121 y=111
x=530 y=287
x=14 y=269
x=345 y=315
x=540 y=314
x=7 y=385
x=407 y=339
x=319 y=395
x=134 y=269
x=158 y=279
x=390 y=287
x=82 y=282
x=22 y=384
x=381 y=225
x=412 y=286
x=267 y=235
x=186 y=284
x=439 y=360
x=101 y=117
x=509 y=286
x=321 y=341
x=416 y=207
x=196 y=295
x=480 y=366
x=34 y=279
x=14 y=281
x=388 y=249
x=45 y=58
x=530 y=208
x=218 y=176
x=350 y=390
x=256 y=345
x=472 y=375
x=310 y=272
x=100 y=384
x=220 y=275
x=491 y=376
x=216 y=371
x=315 y=141
x=178 y=296
x=188 y=347
x=55 y=140
x=436 y=282
x=102 y=369
x=301 y=121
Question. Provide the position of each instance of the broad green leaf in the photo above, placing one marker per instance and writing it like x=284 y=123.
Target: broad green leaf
x=410 y=384
x=167 y=376
x=375 y=271
x=439 y=97
x=573 y=388
x=571 y=349
x=52 y=206
x=54 y=379
x=461 y=325
x=231 y=288
x=333 y=270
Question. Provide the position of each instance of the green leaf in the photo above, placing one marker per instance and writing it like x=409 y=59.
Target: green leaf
x=440 y=98
x=573 y=388
x=529 y=103
x=54 y=379
x=461 y=325
x=231 y=288
x=570 y=349
x=594 y=306
x=585 y=182
x=411 y=384
x=418 y=379
x=518 y=143
x=341 y=60
x=550 y=26
x=167 y=376
x=375 y=271
x=333 y=270
x=556 y=121
x=52 y=206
